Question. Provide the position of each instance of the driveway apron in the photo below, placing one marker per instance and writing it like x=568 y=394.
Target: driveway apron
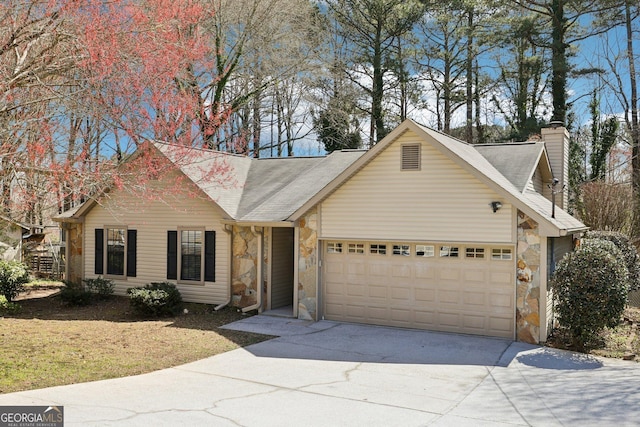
x=339 y=374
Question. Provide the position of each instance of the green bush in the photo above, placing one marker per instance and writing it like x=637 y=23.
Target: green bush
x=629 y=253
x=591 y=287
x=100 y=288
x=156 y=299
x=13 y=276
x=8 y=307
x=75 y=294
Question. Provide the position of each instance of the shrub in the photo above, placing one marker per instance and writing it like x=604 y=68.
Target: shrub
x=13 y=276
x=8 y=307
x=591 y=287
x=75 y=294
x=100 y=288
x=156 y=299
x=629 y=254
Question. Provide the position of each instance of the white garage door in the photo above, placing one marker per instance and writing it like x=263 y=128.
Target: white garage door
x=442 y=287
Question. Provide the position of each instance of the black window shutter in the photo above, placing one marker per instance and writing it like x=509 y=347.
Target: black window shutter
x=132 y=247
x=172 y=255
x=99 y=257
x=210 y=256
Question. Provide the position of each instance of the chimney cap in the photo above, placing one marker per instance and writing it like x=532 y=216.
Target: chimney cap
x=555 y=124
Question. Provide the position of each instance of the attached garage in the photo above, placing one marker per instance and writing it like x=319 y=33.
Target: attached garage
x=462 y=288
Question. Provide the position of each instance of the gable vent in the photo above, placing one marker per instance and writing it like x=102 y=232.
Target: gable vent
x=411 y=157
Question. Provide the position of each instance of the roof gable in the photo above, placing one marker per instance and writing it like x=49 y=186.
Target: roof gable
x=469 y=158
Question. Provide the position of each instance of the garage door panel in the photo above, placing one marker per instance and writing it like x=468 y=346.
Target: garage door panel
x=334 y=288
x=424 y=271
x=475 y=298
x=400 y=271
x=403 y=294
x=501 y=326
x=378 y=269
x=501 y=301
x=401 y=315
x=377 y=314
x=449 y=319
x=460 y=295
x=474 y=322
x=447 y=273
x=378 y=292
x=448 y=296
x=356 y=290
x=425 y=295
x=501 y=276
x=475 y=276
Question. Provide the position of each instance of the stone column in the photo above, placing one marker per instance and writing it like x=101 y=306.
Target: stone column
x=308 y=266
x=528 y=280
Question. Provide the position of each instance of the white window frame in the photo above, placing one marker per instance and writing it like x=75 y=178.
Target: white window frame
x=355 y=248
x=501 y=254
x=334 y=247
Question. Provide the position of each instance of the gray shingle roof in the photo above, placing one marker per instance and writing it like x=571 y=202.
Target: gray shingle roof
x=258 y=190
x=516 y=161
x=296 y=181
x=277 y=189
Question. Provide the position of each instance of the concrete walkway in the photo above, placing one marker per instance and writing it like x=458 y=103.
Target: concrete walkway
x=336 y=374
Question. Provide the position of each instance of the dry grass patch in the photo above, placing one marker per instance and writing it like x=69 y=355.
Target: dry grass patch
x=48 y=343
x=621 y=342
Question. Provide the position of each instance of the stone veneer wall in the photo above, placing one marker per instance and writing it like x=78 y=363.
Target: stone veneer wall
x=73 y=252
x=244 y=267
x=528 y=280
x=308 y=266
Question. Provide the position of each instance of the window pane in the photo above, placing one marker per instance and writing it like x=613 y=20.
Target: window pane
x=449 y=251
x=378 y=249
x=401 y=250
x=475 y=253
x=425 y=250
x=502 y=254
x=334 y=248
x=190 y=255
x=356 y=248
x=115 y=251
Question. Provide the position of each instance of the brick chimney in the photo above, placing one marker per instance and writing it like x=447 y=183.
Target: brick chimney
x=556 y=140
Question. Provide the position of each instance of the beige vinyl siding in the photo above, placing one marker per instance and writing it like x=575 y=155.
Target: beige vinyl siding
x=441 y=201
x=152 y=220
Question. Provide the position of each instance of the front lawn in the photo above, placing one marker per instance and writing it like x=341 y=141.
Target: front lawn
x=48 y=343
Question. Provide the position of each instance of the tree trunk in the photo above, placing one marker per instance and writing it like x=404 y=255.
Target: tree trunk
x=378 y=91
x=559 y=62
x=469 y=82
x=635 y=125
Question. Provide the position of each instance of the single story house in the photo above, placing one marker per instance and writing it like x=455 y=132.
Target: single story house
x=421 y=231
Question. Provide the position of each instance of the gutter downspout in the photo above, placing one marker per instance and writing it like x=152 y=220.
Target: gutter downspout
x=228 y=229
x=259 y=284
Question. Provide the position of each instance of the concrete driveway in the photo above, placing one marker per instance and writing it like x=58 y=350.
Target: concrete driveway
x=336 y=374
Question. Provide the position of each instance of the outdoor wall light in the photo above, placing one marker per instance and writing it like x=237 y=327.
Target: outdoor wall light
x=495 y=206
